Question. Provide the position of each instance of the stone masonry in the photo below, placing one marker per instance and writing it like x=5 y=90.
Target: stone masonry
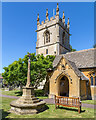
x=58 y=34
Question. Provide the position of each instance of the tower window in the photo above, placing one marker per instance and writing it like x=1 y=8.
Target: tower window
x=63 y=38
x=54 y=52
x=46 y=37
x=46 y=51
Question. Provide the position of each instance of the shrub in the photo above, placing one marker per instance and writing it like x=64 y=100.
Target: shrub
x=39 y=92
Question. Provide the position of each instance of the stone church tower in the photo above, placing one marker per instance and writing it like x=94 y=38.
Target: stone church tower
x=53 y=35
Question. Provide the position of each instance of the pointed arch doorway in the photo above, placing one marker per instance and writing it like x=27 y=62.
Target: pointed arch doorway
x=64 y=86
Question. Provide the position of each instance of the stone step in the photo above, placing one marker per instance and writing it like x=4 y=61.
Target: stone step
x=35 y=101
x=30 y=101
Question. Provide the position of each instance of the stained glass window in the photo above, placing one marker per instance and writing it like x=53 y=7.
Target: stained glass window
x=93 y=74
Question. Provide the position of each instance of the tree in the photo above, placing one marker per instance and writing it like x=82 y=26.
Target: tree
x=72 y=50
x=94 y=46
x=16 y=73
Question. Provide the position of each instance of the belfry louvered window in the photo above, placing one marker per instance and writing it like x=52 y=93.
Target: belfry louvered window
x=46 y=37
x=63 y=38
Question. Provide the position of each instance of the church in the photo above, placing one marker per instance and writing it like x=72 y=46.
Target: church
x=73 y=73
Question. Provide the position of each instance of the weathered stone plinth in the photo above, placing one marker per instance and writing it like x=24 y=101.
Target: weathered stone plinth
x=27 y=104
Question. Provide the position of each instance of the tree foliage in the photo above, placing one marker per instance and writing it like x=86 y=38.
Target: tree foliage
x=17 y=71
x=72 y=50
x=94 y=46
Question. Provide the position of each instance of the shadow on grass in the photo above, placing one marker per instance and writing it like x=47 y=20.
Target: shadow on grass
x=19 y=93
x=4 y=114
x=71 y=109
x=44 y=109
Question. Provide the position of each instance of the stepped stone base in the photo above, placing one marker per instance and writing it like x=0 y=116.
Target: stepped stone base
x=27 y=108
x=27 y=104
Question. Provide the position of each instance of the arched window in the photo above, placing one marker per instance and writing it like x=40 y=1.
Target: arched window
x=91 y=80
x=46 y=37
x=63 y=38
x=46 y=51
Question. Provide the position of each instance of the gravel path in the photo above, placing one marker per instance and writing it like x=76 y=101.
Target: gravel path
x=51 y=101
x=8 y=96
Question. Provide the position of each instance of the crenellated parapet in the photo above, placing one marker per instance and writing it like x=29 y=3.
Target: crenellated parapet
x=53 y=37
x=53 y=20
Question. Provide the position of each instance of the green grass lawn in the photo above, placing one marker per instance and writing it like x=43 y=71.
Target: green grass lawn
x=89 y=101
x=49 y=113
x=12 y=92
x=18 y=93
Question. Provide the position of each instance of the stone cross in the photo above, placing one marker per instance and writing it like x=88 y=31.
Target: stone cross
x=28 y=73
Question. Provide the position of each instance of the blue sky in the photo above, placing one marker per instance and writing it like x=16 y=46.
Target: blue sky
x=19 y=22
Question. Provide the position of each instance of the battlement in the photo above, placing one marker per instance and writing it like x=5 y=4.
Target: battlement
x=53 y=20
x=53 y=37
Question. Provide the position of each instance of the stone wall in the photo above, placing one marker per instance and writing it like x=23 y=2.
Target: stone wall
x=83 y=90
x=91 y=89
x=51 y=49
x=74 y=81
x=56 y=29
